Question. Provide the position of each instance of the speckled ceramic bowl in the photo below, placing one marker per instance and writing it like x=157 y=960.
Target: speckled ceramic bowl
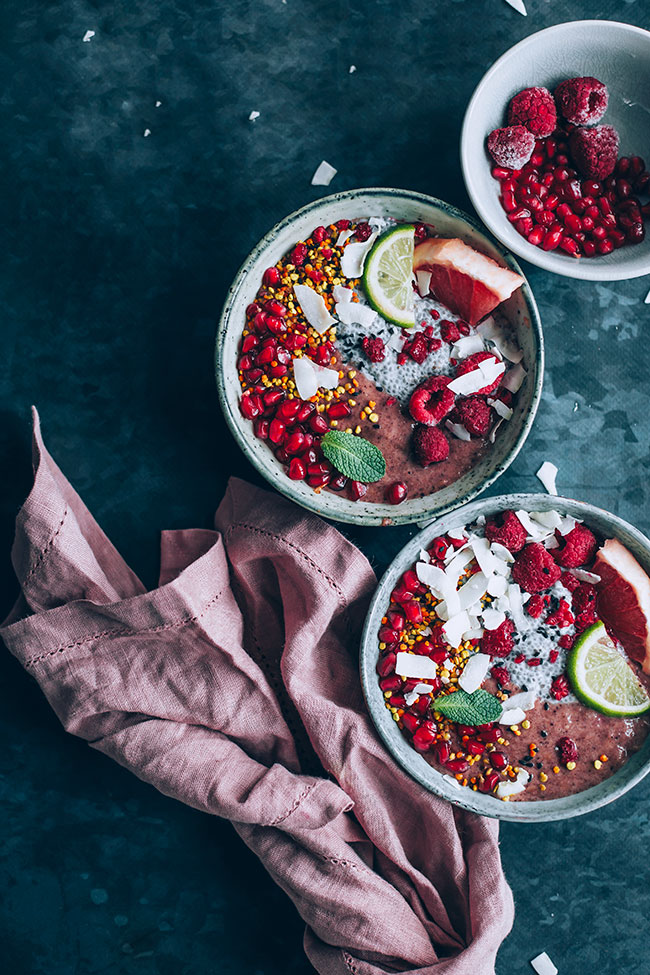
x=618 y=55
x=522 y=812
x=520 y=308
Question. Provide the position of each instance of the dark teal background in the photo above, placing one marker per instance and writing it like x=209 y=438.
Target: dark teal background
x=117 y=251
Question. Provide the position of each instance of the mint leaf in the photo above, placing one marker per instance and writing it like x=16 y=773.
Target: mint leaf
x=470 y=709
x=353 y=456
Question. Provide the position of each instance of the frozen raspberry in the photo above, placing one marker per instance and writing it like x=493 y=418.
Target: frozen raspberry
x=578 y=547
x=500 y=675
x=595 y=150
x=562 y=616
x=566 y=642
x=471 y=363
x=363 y=231
x=374 y=349
x=432 y=401
x=430 y=445
x=449 y=331
x=567 y=749
x=511 y=147
x=581 y=101
x=475 y=415
x=584 y=619
x=569 y=581
x=506 y=529
x=417 y=348
x=584 y=597
x=536 y=605
x=534 y=568
x=559 y=687
x=534 y=108
x=499 y=642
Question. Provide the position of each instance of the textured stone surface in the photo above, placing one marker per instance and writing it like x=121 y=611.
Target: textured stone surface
x=117 y=253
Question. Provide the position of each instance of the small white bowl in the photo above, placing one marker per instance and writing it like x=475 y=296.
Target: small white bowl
x=616 y=54
x=520 y=308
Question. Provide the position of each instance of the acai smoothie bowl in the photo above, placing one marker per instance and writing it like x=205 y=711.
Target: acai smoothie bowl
x=506 y=657
x=379 y=359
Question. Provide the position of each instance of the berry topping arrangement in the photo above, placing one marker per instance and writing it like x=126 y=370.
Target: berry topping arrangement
x=562 y=182
x=375 y=360
x=514 y=655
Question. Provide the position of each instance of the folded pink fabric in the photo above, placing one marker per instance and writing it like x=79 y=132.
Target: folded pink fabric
x=234 y=688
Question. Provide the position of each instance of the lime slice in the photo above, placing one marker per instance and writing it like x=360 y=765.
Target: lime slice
x=602 y=678
x=388 y=275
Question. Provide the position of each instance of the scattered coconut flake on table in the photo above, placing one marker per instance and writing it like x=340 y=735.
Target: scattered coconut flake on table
x=352 y=69
x=354 y=257
x=87 y=36
x=414 y=665
x=323 y=175
x=543 y=965
x=647 y=299
x=353 y=312
x=519 y=6
x=313 y=308
x=474 y=672
x=158 y=104
x=253 y=116
x=146 y=133
x=547 y=474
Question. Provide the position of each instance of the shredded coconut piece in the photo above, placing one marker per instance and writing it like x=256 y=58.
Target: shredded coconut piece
x=146 y=133
x=519 y=6
x=474 y=672
x=354 y=257
x=547 y=474
x=87 y=36
x=341 y=239
x=512 y=716
x=458 y=430
x=253 y=116
x=424 y=282
x=352 y=69
x=324 y=174
x=543 y=964
x=467 y=345
x=313 y=308
x=514 y=378
x=500 y=407
x=341 y=293
x=415 y=665
x=353 y=312
x=584 y=576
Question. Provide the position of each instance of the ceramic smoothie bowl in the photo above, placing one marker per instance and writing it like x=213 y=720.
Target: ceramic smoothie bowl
x=607 y=65
x=312 y=371
x=505 y=659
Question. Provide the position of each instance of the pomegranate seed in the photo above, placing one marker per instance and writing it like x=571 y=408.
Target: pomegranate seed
x=319 y=234
x=386 y=635
x=604 y=205
x=563 y=211
x=317 y=481
x=298 y=255
x=410 y=722
x=310 y=456
x=623 y=189
x=393 y=683
x=305 y=411
x=561 y=175
x=259 y=322
x=245 y=363
x=261 y=428
x=499 y=173
x=537 y=159
x=569 y=245
x=589 y=248
x=617 y=238
x=413 y=611
x=253 y=309
x=547 y=179
x=396 y=493
x=338 y=410
x=423 y=739
x=271 y=277
x=421 y=232
x=489 y=782
x=551 y=240
x=536 y=236
x=386 y=664
x=475 y=747
x=573 y=223
x=249 y=342
x=508 y=201
x=592 y=187
x=636 y=233
x=318 y=424
x=288 y=409
x=396 y=620
x=605 y=246
x=637 y=165
x=277 y=431
x=587 y=224
x=642 y=183
x=572 y=189
x=498 y=760
x=297 y=469
x=551 y=201
x=274 y=324
x=250 y=406
x=524 y=227
x=490 y=735
x=551 y=147
x=276 y=372
x=457 y=765
x=282 y=455
x=518 y=214
x=358 y=490
x=622 y=166
x=253 y=375
x=599 y=233
x=443 y=751
x=295 y=443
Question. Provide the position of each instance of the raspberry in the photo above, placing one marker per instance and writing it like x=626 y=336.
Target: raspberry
x=507 y=530
x=585 y=619
x=449 y=331
x=363 y=231
x=534 y=568
x=581 y=101
x=559 y=687
x=432 y=401
x=534 y=108
x=500 y=675
x=569 y=581
x=562 y=616
x=579 y=547
x=298 y=254
x=511 y=147
x=417 y=348
x=567 y=749
x=584 y=597
x=595 y=150
x=566 y=642
x=471 y=363
x=475 y=415
x=430 y=445
x=374 y=349
x=499 y=642
x=536 y=605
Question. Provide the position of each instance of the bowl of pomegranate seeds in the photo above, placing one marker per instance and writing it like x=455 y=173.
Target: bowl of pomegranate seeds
x=505 y=658
x=555 y=150
x=379 y=359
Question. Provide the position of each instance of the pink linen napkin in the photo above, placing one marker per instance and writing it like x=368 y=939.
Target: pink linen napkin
x=234 y=687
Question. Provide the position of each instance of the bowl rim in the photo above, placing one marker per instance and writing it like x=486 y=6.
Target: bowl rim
x=383 y=511
x=540 y=810
x=591 y=271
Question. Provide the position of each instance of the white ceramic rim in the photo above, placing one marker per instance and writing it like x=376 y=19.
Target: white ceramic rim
x=587 y=270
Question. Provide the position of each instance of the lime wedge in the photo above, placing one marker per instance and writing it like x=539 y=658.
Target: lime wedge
x=388 y=275
x=602 y=678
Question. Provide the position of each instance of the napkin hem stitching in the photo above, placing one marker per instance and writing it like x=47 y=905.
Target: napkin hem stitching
x=297 y=801
x=47 y=547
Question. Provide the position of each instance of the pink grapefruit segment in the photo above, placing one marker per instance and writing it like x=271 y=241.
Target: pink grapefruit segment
x=624 y=600
x=467 y=282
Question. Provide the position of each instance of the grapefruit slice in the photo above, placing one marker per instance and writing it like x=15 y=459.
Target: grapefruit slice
x=467 y=282
x=623 y=601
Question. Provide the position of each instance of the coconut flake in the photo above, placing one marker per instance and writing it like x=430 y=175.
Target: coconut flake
x=313 y=308
x=500 y=407
x=547 y=474
x=352 y=69
x=87 y=36
x=458 y=534
x=493 y=431
x=458 y=430
x=341 y=294
x=424 y=282
x=497 y=585
x=524 y=700
x=567 y=524
x=473 y=590
x=501 y=552
x=584 y=576
x=424 y=556
x=550 y=519
x=304 y=376
x=454 y=568
x=354 y=313
x=342 y=237
x=509 y=788
x=474 y=672
x=483 y=554
x=440 y=584
x=511 y=716
x=490 y=330
x=466 y=346
x=471 y=382
x=514 y=378
x=541 y=963
x=534 y=530
x=519 y=6
x=354 y=257
x=324 y=174
x=253 y=116
x=415 y=665
x=493 y=618
x=454 y=628
x=411 y=696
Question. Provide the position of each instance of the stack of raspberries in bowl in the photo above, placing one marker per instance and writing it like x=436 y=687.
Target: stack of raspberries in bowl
x=563 y=184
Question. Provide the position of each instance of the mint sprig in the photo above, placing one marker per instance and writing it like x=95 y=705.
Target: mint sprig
x=470 y=709
x=354 y=456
